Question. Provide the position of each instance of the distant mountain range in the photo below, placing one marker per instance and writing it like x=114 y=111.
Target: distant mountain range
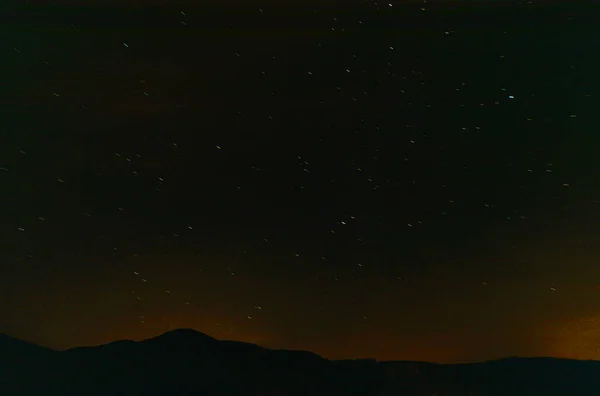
x=187 y=362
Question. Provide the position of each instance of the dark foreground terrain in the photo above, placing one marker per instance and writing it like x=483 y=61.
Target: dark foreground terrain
x=186 y=362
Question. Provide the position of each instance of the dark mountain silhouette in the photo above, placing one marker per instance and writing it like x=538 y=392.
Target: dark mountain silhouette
x=187 y=362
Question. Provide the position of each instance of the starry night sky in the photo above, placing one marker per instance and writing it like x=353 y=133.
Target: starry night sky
x=418 y=181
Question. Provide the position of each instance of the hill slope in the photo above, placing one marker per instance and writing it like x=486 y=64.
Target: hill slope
x=186 y=362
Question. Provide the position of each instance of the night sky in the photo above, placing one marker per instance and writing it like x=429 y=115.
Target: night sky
x=418 y=180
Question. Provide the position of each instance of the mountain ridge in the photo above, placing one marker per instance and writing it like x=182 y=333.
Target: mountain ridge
x=180 y=334
x=189 y=362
